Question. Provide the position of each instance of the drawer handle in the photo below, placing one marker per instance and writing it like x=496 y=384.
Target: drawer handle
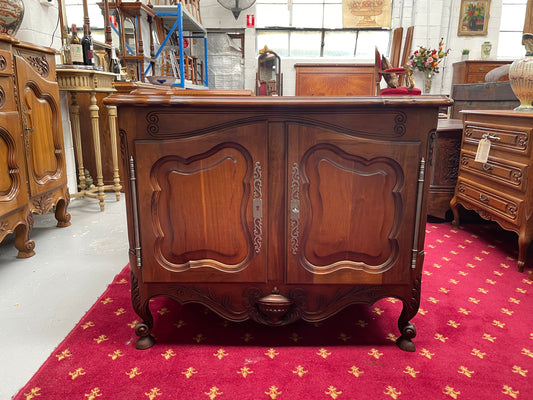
x=484 y=199
x=481 y=69
x=487 y=167
x=491 y=137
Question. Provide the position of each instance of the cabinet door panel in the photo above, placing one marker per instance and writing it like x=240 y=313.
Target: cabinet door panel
x=39 y=100
x=354 y=198
x=13 y=193
x=206 y=207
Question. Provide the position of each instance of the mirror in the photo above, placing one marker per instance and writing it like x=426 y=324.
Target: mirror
x=269 y=77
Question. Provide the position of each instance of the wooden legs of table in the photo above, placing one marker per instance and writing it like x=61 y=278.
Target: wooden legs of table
x=112 y=112
x=75 y=121
x=525 y=235
x=96 y=191
x=95 y=124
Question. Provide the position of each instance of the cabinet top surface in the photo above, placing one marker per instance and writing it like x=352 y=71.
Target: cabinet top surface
x=334 y=65
x=483 y=62
x=148 y=97
x=499 y=113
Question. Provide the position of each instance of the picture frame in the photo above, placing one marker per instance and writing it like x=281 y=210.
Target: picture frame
x=474 y=18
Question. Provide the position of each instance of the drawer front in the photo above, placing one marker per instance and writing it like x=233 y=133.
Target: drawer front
x=514 y=139
x=496 y=203
x=512 y=175
x=477 y=77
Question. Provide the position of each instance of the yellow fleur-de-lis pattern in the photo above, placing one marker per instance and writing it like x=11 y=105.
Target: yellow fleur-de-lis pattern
x=473 y=333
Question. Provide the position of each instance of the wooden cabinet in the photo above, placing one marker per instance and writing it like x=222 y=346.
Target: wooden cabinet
x=445 y=147
x=498 y=189
x=474 y=71
x=275 y=208
x=335 y=79
x=32 y=177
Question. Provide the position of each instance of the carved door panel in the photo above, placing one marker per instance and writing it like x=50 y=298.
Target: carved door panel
x=40 y=111
x=13 y=192
x=349 y=199
x=208 y=202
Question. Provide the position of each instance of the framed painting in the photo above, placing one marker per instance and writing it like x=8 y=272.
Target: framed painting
x=366 y=14
x=474 y=18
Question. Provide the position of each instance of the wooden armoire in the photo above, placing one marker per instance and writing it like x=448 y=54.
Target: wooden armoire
x=32 y=156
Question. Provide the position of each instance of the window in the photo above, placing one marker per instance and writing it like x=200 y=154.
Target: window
x=313 y=28
x=511 y=26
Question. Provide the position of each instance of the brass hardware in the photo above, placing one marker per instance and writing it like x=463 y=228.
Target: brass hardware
x=258 y=207
x=135 y=212
x=487 y=167
x=295 y=209
x=418 y=216
x=484 y=199
x=491 y=137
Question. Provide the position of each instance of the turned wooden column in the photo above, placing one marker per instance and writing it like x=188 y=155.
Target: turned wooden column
x=75 y=120
x=94 y=109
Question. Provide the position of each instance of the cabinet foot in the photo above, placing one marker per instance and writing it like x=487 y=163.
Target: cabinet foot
x=146 y=340
x=61 y=214
x=23 y=243
x=404 y=342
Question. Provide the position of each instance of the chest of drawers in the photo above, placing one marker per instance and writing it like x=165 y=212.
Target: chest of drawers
x=498 y=189
x=474 y=71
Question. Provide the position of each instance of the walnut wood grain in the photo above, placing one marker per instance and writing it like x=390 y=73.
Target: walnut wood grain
x=275 y=209
x=33 y=174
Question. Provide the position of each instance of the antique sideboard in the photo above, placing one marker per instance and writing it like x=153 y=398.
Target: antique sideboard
x=275 y=209
x=33 y=176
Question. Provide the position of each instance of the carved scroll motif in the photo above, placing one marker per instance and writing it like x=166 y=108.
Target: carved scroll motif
x=258 y=207
x=295 y=209
x=3 y=63
x=40 y=64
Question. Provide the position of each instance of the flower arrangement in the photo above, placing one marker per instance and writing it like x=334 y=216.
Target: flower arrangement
x=427 y=60
x=474 y=14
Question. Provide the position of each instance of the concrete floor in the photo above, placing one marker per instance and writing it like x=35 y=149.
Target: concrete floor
x=43 y=297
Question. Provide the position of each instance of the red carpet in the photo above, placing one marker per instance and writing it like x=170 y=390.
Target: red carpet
x=475 y=341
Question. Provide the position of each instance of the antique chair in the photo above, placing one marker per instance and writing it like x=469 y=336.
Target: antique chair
x=391 y=75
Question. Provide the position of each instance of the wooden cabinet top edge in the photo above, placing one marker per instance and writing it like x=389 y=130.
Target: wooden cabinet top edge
x=153 y=98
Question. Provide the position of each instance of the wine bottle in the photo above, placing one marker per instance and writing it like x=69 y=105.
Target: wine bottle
x=76 y=51
x=87 y=46
x=114 y=63
x=66 y=58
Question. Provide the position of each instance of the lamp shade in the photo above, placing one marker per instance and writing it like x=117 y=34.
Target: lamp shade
x=236 y=6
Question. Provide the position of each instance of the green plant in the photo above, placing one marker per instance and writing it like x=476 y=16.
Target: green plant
x=465 y=52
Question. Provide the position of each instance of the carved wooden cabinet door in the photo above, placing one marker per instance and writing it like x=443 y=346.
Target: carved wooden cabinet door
x=351 y=207
x=13 y=193
x=40 y=114
x=207 y=198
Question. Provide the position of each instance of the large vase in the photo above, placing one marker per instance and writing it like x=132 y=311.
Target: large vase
x=521 y=76
x=428 y=80
x=11 y=15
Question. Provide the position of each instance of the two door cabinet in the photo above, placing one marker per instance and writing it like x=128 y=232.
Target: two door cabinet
x=33 y=174
x=275 y=209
